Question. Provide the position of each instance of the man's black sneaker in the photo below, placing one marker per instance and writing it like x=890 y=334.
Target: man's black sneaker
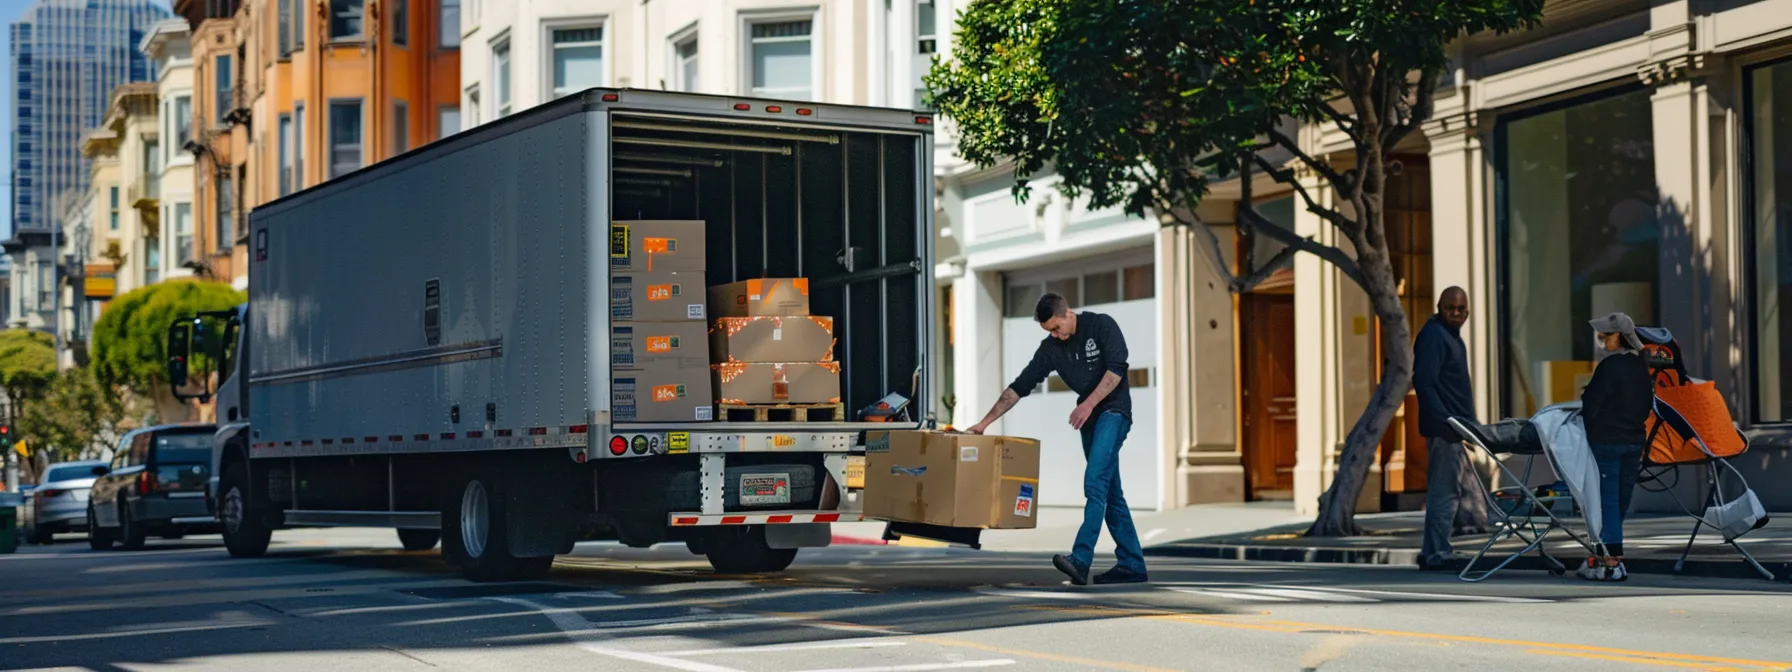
x=1079 y=575
x=1118 y=575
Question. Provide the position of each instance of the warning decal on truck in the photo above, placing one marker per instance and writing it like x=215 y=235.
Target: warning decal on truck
x=678 y=442
x=618 y=241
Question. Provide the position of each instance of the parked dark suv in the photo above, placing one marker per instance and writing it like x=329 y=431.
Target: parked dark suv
x=155 y=485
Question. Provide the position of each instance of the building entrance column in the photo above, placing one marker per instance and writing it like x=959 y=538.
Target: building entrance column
x=1198 y=417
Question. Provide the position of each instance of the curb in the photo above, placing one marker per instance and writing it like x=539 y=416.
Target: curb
x=1714 y=569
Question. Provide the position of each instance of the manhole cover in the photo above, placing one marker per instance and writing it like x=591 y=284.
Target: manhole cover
x=494 y=590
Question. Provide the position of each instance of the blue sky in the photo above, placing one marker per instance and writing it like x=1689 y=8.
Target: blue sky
x=10 y=11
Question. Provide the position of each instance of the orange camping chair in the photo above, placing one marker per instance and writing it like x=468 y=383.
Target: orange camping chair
x=1691 y=426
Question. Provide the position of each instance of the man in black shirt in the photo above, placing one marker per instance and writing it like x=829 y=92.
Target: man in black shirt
x=1088 y=352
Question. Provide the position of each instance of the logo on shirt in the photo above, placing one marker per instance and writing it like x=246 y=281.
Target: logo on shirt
x=1090 y=349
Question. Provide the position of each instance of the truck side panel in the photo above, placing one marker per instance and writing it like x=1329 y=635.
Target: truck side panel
x=455 y=277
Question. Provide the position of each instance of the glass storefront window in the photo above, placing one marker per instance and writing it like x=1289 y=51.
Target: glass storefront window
x=1581 y=236
x=1770 y=186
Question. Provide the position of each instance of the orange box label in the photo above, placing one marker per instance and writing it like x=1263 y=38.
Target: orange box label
x=659 y=292
x=665 y=393
x=659 y=245
x=661 y=343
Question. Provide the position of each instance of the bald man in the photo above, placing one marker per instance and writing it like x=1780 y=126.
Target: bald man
x=1441 y=382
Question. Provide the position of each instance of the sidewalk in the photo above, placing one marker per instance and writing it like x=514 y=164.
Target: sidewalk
x=1058 y=525
x=1652 y=545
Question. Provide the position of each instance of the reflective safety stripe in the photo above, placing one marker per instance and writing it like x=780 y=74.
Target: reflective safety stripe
x=697 y=520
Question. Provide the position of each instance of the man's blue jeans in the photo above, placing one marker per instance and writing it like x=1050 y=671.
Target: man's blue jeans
x=1102 y=437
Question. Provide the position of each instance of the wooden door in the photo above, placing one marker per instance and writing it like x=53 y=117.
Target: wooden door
x=1270 y=430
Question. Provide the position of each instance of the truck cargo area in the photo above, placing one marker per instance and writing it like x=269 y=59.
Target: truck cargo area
x=837 y=207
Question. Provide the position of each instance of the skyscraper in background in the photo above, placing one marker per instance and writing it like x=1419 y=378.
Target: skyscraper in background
x=67 y=56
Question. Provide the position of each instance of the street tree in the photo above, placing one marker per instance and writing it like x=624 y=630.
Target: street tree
x=77 y=417
x=27 y=366
x=130 y=338
x=1144 y=104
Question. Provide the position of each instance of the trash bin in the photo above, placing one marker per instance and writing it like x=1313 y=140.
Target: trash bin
x=10 y=502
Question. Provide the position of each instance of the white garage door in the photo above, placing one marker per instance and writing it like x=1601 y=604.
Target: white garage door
x=1122 y=287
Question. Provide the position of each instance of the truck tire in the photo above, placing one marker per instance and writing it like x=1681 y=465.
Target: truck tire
x=131 y=532
x=98 y=538
x=246 y=531
x=477 y=536
x=419 y=540
x=747 y=553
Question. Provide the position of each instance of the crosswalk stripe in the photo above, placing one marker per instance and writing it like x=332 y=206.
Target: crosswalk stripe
x=923 y=667
x=1229 y=594
x=778 y=648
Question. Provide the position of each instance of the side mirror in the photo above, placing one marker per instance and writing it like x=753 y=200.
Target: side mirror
x=101 y=470
x=180 y=362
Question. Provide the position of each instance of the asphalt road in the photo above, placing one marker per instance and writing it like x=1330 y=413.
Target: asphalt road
x=351 y=600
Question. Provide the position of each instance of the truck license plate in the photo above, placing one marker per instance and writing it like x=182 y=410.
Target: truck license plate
x=757 y=489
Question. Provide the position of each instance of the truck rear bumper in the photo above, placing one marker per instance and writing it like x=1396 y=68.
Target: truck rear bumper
x=696 y=519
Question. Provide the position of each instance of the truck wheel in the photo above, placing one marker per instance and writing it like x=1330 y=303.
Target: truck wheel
x=419 y=540
x=246 y=532
x=98 y=538
x=131 y=532
x=746 y=552
x=478 y=537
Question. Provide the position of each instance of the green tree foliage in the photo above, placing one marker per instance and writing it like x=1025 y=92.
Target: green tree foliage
x=76 y=413
x=1142 y=103
x=130 y=340
x=27 y=365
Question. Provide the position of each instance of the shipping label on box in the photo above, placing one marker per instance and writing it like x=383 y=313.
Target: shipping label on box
x=658 y=245
x=772 y=339
x=659 y=296
x=661 y=394
x=769 y=297
x=640 y=345
x=774 y=383
x=953 y=480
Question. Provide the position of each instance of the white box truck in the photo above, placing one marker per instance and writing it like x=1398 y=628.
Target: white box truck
x=426 y=343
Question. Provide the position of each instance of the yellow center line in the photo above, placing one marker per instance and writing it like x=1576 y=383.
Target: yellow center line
x=1252 y=623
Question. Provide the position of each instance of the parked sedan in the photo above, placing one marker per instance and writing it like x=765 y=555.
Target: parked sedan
x=155 y=485
x=59 y=502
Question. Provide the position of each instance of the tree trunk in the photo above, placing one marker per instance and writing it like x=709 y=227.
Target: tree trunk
x=1337 y=506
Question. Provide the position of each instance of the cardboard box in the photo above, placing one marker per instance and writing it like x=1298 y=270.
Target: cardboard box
x=775 y=383
x=661 y=393
x=772 y=339
x=769 y=297
x=658 y=296
x=645 y=345
x=952 y=480
x=658 y=245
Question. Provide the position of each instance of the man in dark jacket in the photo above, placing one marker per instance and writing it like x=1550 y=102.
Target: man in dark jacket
x=1442 y=384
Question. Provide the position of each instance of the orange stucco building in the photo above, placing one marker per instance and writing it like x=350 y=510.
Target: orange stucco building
x=290 y=93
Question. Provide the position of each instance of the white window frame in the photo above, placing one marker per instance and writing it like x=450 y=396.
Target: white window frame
x=501 y=43
x=817 y=45
x=675 y=63
x=548 y=26
x=472 y=112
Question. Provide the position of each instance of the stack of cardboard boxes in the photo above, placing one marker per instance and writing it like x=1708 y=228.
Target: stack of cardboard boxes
x=659 y=351
x=767 y=348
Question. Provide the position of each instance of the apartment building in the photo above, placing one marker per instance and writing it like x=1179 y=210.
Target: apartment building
x=169 y=48
x=125 y=185
x=289 y=94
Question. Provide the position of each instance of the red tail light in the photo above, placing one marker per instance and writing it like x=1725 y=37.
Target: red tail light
x=618 y=445
x=50 y=494
x=146 y=483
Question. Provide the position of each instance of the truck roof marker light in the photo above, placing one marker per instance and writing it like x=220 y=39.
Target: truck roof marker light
x=396 y=438
x=774 y=109
x=743 y=107
x=804 y=112
x=420 y=437
x=503 y=433
x=370 y=439
x=611 y=97
x=578 y=429
x=923 y=120
x=538 y=431
x=618 y=445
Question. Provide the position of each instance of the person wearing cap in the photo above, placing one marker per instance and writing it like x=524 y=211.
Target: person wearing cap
x=1615 y=408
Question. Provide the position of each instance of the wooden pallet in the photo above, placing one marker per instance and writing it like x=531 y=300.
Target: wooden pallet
x=781 y=412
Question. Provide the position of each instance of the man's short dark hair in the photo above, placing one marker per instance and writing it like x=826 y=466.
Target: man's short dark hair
x=1051 y=305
